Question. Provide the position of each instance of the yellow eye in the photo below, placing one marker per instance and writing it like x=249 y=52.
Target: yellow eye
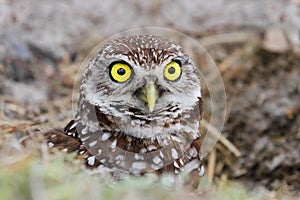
x=120 y=72
x=172 y=71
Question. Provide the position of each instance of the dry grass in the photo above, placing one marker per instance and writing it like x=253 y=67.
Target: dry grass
x=32 y=172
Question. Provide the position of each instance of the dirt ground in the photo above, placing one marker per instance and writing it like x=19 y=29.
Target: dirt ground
x=259 y=60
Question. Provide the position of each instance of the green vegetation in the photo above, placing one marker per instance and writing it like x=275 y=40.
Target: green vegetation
x=59 y=176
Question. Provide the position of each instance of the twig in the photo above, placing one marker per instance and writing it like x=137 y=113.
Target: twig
x=216 y=134
x=13 y=128
x=226 y=38
x=211 y=166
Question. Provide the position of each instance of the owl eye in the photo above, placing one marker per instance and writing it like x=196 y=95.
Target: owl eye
x=120 y=72
x=172 y=71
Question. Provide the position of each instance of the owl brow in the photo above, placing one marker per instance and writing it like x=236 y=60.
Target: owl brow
x=144 y=56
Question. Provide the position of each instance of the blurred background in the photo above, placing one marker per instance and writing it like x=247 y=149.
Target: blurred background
x=255 y=44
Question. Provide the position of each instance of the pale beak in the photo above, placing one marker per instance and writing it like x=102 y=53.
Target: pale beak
x=151 y=95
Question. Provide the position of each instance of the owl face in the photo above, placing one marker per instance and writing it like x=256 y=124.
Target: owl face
x=144 y=83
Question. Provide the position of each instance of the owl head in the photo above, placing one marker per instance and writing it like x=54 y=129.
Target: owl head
x=144 y=83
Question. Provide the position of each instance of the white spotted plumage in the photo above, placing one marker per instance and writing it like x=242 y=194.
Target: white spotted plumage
x=114 y=122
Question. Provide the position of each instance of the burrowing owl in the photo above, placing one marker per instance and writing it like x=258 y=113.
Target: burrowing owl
x=139 y=109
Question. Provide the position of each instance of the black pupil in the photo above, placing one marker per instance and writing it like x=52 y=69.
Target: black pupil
x=171 y=70
x=121 y=71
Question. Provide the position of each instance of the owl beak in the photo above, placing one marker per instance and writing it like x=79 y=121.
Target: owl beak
x=151 y=95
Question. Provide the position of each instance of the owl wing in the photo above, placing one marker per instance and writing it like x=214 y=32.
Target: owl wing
x=67 y=140
x=191 y=162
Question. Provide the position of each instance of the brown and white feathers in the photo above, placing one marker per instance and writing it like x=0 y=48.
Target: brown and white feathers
x=139 y=109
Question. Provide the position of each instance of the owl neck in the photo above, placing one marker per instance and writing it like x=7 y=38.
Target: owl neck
x=107 y=124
